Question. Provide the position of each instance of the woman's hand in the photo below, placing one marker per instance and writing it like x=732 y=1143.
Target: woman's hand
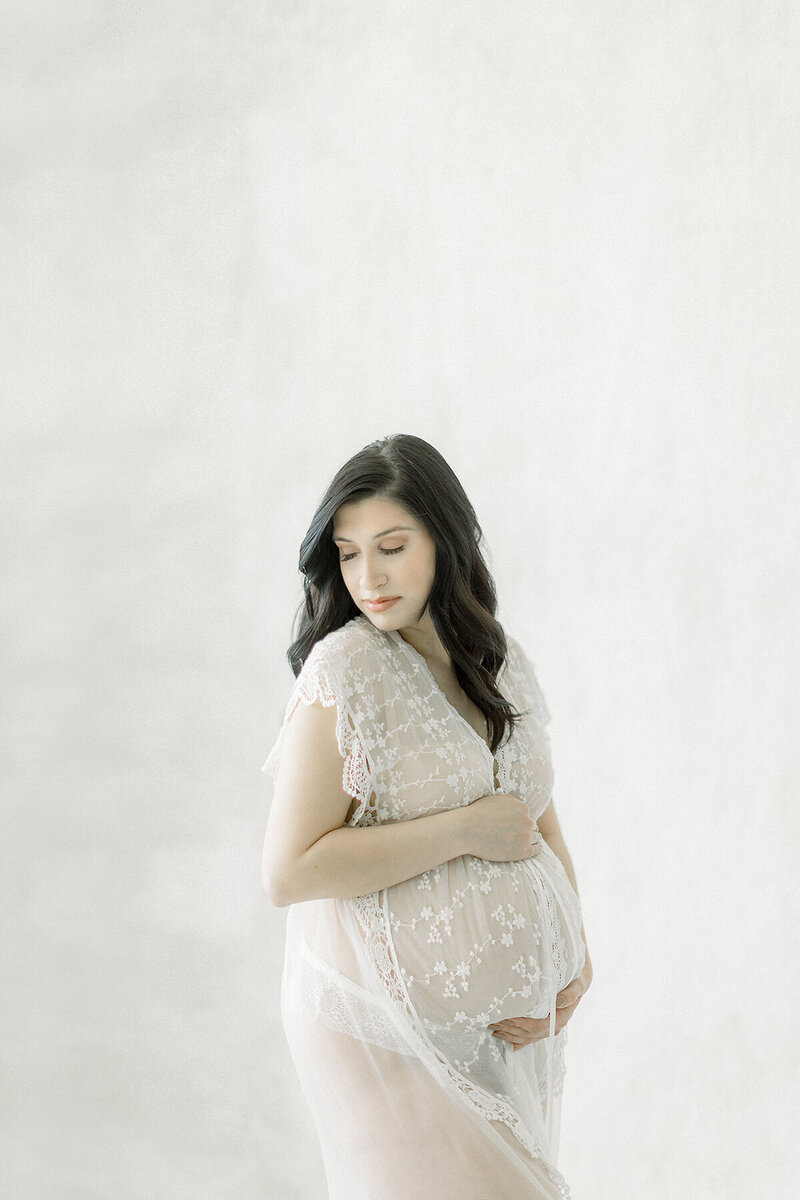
x=500 y=828
x=521 y=1031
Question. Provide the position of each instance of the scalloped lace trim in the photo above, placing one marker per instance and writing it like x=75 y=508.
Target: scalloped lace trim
x=317 y=683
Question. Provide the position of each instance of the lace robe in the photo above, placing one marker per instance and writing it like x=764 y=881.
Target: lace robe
x=386 y=998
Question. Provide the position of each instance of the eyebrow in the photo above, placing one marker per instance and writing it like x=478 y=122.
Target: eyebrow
x=383 y=533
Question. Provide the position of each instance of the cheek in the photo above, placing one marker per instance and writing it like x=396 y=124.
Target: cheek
x=427 y=572
x=421 y=572
x=349 y=577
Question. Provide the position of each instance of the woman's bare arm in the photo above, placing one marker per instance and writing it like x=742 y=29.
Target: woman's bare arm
x=310 y=854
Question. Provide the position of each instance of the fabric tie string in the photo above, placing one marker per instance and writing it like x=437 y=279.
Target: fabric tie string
x=550 y=1114
x=550 y=1044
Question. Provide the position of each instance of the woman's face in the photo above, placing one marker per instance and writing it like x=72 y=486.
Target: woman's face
x=385 y=553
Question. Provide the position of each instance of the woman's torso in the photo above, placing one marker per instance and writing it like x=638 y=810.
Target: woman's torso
x=475 y=940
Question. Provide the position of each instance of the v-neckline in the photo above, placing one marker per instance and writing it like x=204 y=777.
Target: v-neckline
x=401 y=641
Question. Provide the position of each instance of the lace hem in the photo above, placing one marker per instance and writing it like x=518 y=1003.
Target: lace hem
x=344 y=1006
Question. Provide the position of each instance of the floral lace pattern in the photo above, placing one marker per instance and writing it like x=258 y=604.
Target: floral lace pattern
x=471 y=941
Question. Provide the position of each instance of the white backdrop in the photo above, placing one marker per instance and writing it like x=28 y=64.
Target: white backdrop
x=244 y=239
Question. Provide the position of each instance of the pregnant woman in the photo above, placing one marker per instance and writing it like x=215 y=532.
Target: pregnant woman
x=434 y=940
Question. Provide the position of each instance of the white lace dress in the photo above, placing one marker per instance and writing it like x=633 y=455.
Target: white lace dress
x=387 y=998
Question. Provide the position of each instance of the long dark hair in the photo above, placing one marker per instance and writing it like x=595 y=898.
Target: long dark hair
x=463 y=599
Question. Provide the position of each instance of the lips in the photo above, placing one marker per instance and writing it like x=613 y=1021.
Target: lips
x=380 y=605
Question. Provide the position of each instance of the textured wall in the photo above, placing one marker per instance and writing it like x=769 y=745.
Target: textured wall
x=242 y=240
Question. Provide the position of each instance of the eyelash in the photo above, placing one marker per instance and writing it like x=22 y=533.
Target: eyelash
x=396 y=550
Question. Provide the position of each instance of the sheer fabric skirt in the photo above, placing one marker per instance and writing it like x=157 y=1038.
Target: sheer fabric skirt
x=393 y=1118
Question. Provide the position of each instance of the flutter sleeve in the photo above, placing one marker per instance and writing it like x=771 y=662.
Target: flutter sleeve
x=533 y=696
x=321 y=679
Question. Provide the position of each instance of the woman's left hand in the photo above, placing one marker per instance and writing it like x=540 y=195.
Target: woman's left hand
x=521 y=1031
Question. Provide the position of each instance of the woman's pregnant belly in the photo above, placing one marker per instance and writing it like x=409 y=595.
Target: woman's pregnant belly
x=477 y=941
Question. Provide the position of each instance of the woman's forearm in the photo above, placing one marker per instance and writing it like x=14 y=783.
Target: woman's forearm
x=351 y=862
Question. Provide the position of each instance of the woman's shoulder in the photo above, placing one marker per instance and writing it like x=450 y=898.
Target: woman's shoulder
x=516 y=658
x=335 y=671
x=354 y=646
x=521 y=670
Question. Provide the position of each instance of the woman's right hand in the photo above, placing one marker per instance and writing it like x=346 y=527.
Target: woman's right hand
x=500 y=828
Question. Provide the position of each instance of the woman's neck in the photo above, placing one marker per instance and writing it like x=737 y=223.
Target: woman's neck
x=426 y=641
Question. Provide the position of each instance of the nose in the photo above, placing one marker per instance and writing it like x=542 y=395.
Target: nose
x=372 y=575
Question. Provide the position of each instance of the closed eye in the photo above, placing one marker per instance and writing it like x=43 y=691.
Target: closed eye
x=395 y=550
